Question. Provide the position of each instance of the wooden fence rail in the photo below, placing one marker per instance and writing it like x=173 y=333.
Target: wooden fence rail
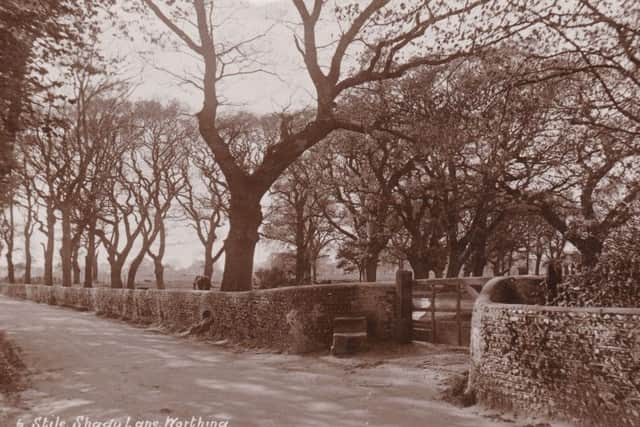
x=440 y=295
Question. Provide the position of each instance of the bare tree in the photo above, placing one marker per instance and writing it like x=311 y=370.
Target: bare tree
x=422 y=216
x=125 y=209
x=362 y=177
x=26 y=200
x=42 y=151
x=97 y=100
x=120 y=224
x=63 y=152
x=599 y=41
x=7 y=233
x=600 y=184
x=295 y=215
x=475 y=121
x=105 y=121
x=584 y=186
x=388 y=37
x=158 y=165
x=204 y=201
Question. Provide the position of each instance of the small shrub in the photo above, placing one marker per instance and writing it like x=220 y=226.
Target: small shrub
x=273 y=277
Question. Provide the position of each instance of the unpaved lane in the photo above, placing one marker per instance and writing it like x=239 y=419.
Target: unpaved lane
x=104 y=369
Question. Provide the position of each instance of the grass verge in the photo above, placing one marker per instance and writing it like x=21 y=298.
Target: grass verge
x=455 y=393
x=11 y=366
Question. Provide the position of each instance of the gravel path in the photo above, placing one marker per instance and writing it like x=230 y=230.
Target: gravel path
x=85 y=366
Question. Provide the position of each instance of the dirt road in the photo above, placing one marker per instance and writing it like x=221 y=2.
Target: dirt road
x=85 y=366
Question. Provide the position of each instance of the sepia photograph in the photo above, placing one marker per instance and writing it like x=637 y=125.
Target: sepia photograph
x=310 y=213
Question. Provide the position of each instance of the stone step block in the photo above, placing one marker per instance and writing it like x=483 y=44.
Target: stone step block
x=350 y=324
x=346 y=343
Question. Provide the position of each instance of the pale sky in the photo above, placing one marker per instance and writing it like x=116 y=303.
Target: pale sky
x=286 y=83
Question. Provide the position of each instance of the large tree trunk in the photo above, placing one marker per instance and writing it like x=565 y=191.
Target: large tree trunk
x=133 y=270
x=208 y=257
x=302 y=258
x=88 y=271
x=453 y=268
x=158 y=270
x=314 y=271
x=420 y=267
x=478 y=246
x=308 y=273
x=478 y=262
x=454 y=258
x=11 y=275
x=148 y=239
x=95 y=266
x=496 y=266
x=371 y=269
x=538 y=262
x=76 y=265
x=245 y=217
x=510 y=262
x=48 y=250
x=65 y=250
x=28 y=230
x=590 y=250
x=90 y=258
x=302 y=266
x=27 y=260
x=116 y=274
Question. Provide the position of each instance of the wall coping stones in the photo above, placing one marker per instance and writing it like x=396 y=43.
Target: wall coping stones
x=556 y=309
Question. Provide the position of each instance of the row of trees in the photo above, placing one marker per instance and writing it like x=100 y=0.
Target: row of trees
x=455 y=121
x=112 y=172
x=576 y=41
x=109 y=172
x=474 y=167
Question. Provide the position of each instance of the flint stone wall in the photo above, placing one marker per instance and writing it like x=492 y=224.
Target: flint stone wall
x=577 y=364
x=294 y=319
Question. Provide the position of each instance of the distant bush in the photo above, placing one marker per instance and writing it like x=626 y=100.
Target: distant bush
x=273 y=277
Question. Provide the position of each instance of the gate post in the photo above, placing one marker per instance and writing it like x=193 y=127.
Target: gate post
x=404 y=306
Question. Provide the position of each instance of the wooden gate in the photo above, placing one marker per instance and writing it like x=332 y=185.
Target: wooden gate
x=441 y=309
